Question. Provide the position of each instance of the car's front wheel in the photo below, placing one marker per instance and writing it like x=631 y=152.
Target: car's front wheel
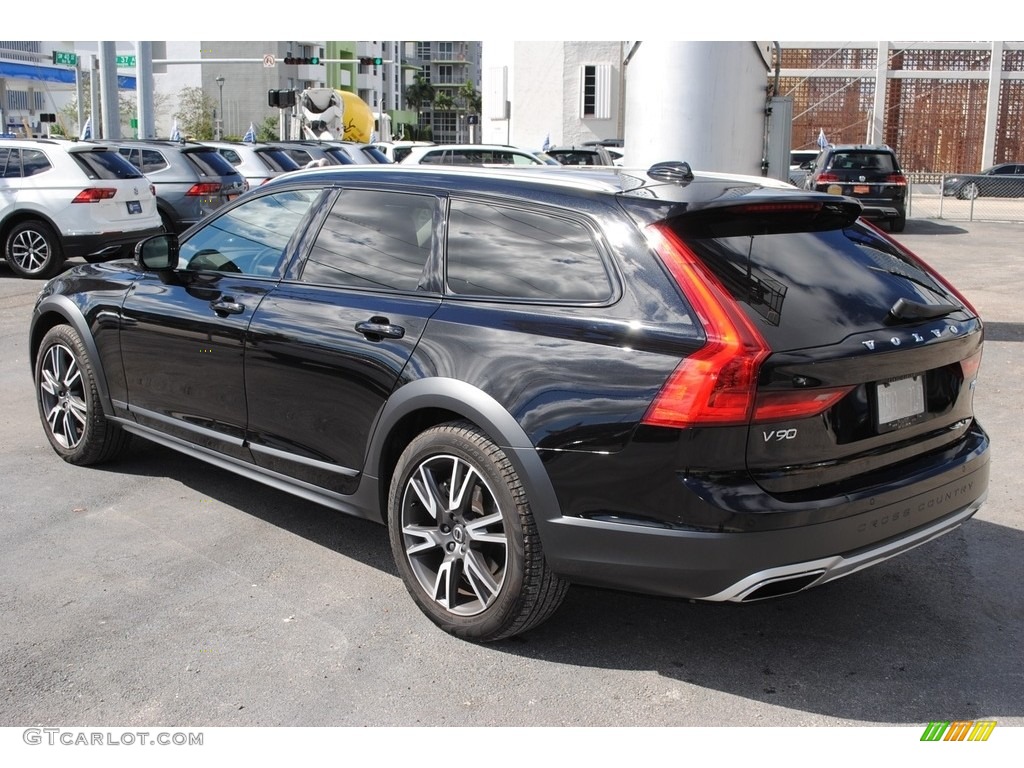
x=464 y=538
x=33 y=250
x=69 y=403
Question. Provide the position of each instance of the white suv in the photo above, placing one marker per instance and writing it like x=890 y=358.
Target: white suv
x=60 y=199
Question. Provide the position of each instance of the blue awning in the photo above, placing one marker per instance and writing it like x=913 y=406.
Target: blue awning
x=15 y=70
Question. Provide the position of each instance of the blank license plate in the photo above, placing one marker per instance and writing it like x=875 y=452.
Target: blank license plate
x=861 y=189
x=134 y=206
x=900 y=402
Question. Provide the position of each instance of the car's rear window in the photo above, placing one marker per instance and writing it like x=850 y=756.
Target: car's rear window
x=278 y=160
x=105 y=164
x=877 y=162
x=209 y=162
x=811 y=289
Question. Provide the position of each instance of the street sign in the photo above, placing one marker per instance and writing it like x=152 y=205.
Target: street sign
x=65 y=57
x=125 y=61
x=269 y=60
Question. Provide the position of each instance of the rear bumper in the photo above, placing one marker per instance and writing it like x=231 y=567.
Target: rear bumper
x=749 y=565
x=107 y=244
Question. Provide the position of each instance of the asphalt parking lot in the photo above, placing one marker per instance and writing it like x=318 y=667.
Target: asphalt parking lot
x=162 y=591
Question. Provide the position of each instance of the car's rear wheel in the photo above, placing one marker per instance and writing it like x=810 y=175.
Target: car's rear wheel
x=969 y=192
x=898 y=224
x=33 y=250
x=69 y=403
x=464 y=538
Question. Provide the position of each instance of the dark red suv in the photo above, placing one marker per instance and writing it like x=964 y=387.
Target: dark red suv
x=704 y=387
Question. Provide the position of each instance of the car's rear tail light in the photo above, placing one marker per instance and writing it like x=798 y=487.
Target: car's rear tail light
x=971 y=365
x=796 y=403
x=152 y=189
x=896 y=178
x=827 y=178
x=717 y=384
x=204 y=189
x=94 y=195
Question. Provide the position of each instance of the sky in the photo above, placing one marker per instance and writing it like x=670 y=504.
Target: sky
x=522 y=20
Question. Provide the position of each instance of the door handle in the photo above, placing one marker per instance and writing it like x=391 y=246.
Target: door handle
x=227 y=306
x=377 y=328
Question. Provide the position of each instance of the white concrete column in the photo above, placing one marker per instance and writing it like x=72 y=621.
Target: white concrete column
x=699 y=102
x=995 y=79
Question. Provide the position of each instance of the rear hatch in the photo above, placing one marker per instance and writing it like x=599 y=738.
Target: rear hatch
x=219 y=181
x=868 y=174
x=865 y=358
x=118 y=196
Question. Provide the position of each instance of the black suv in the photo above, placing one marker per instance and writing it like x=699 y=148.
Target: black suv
x=871 y=173
x=703 y=387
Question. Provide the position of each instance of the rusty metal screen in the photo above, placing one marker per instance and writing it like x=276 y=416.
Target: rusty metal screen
x=935 y=125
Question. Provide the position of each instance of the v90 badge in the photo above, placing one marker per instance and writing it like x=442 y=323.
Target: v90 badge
x=779 y=435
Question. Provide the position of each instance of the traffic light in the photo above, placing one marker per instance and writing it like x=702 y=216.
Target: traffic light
x=47 y=117
x=368 y=60
x=280 y=98
x=301 y=59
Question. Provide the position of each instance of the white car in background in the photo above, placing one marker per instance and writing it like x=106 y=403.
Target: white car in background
x=62 y=199
x=258 y=163
x=471 y=154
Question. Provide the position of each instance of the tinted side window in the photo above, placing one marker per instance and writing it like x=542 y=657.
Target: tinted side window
x=250 y=239
x=494 y=250
x=9 y=165
x=33 y=162
x=152 y=161
x=231 y=156
x=373 y=240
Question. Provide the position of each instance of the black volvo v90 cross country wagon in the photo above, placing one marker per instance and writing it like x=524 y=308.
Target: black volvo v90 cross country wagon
x=703 y=386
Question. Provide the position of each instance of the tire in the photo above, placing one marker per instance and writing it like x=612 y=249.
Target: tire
x=898 y=224
x=464 y=538
x=33 y=250
x=168 y=223
x=969 y=192
x=69 y=403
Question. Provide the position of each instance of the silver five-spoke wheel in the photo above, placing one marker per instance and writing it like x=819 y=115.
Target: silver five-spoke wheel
x=69 y=402
x=464 y=537
x=62 y=396
x=454 y=535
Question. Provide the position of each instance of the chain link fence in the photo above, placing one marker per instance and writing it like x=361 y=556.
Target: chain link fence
x=966 y=196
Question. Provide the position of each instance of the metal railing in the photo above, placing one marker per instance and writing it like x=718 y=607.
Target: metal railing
x=970 y=197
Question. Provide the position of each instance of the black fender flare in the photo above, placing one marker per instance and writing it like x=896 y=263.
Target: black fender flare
x=483 y=410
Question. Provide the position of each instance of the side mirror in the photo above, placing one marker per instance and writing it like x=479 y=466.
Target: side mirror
x=158 y=253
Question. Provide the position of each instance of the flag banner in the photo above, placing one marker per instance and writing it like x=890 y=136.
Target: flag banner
x=87 y=129
x=250 y=135
x=175 y=133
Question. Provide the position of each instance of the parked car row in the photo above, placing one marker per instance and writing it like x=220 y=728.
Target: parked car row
x=60 y=199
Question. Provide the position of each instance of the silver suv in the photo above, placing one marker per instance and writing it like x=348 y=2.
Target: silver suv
x=257 y=162
x=63 y=199
x=192 y=180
